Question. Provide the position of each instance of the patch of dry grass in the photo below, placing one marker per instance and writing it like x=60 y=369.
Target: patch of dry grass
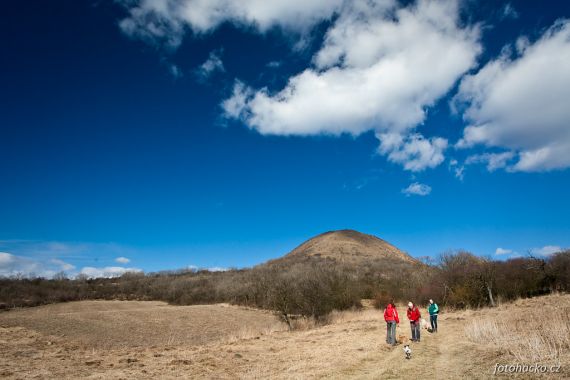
x=250 y=332
x=530 y=336
x=347 y=316
x=124 y=324
x=335 y=318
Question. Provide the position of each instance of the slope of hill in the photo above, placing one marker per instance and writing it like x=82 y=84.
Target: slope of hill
x=346 y=246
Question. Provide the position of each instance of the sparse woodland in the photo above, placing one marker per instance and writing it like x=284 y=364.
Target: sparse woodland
x=314 y=287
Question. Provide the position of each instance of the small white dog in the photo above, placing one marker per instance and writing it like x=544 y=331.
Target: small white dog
x=408 y=351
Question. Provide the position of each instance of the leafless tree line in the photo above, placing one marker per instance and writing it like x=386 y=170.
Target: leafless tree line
x=314 y=287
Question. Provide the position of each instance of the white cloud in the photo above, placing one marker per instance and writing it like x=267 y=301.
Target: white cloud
x=211 y=65
x=274 y=64
x=63 y=265
x=14 y=265
x=175 y=71
x=417 y=188
x=503 y=251
x=167 y=21
x=520 y=103
x=547 y=250
x=458 y=170
x=380 y=66
x=122 y=260
x=217 y=269
x=107 y=272
x=45 y=259
x=509 y=12
x=195 y=268
x=235 y=106
x=6 y=259
x=493 y=161
x=61 y=250
x=414 y=152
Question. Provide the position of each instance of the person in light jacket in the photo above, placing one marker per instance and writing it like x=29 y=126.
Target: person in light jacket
x=392 y=319
x=433 y=311
x=414 y=316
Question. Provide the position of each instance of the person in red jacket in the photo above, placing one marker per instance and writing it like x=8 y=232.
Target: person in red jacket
x=392 y=319
x=414 y=316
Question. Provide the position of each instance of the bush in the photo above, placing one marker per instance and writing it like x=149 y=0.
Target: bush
x=381 y=299
x=312 y=290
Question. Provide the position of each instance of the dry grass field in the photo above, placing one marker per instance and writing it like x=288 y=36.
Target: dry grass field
x=127 y=324
x=113 y=340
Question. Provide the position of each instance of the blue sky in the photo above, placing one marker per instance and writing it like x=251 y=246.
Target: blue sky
x=161 y=134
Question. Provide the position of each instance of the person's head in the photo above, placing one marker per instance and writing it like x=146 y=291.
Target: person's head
x=410 y=305
x=431 y=301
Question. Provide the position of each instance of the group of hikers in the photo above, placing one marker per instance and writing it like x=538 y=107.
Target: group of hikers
x=392 y=319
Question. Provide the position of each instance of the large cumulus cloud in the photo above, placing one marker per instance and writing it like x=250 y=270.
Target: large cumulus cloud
x=519 y=103
x=380 y=67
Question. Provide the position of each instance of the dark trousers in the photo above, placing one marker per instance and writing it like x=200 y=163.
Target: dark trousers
x=433 y=321
x=415 y=331
x=391 y=333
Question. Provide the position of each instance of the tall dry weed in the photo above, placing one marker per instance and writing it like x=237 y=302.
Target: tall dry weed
x=529 y=337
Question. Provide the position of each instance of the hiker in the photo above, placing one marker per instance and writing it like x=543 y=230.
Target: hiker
x=414 y=317
x=433 y=311
x=391 y=318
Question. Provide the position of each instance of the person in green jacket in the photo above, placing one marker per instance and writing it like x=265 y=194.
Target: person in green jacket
x=433 y=310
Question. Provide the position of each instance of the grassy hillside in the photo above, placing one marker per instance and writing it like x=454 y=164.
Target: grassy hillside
x=347 y=246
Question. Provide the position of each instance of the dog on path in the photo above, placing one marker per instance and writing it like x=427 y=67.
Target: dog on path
x=408 y=351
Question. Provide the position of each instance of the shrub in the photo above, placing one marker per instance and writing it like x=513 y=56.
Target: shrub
x=381 y=299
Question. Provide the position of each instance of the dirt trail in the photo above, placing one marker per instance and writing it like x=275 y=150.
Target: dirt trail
x=436 y=356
